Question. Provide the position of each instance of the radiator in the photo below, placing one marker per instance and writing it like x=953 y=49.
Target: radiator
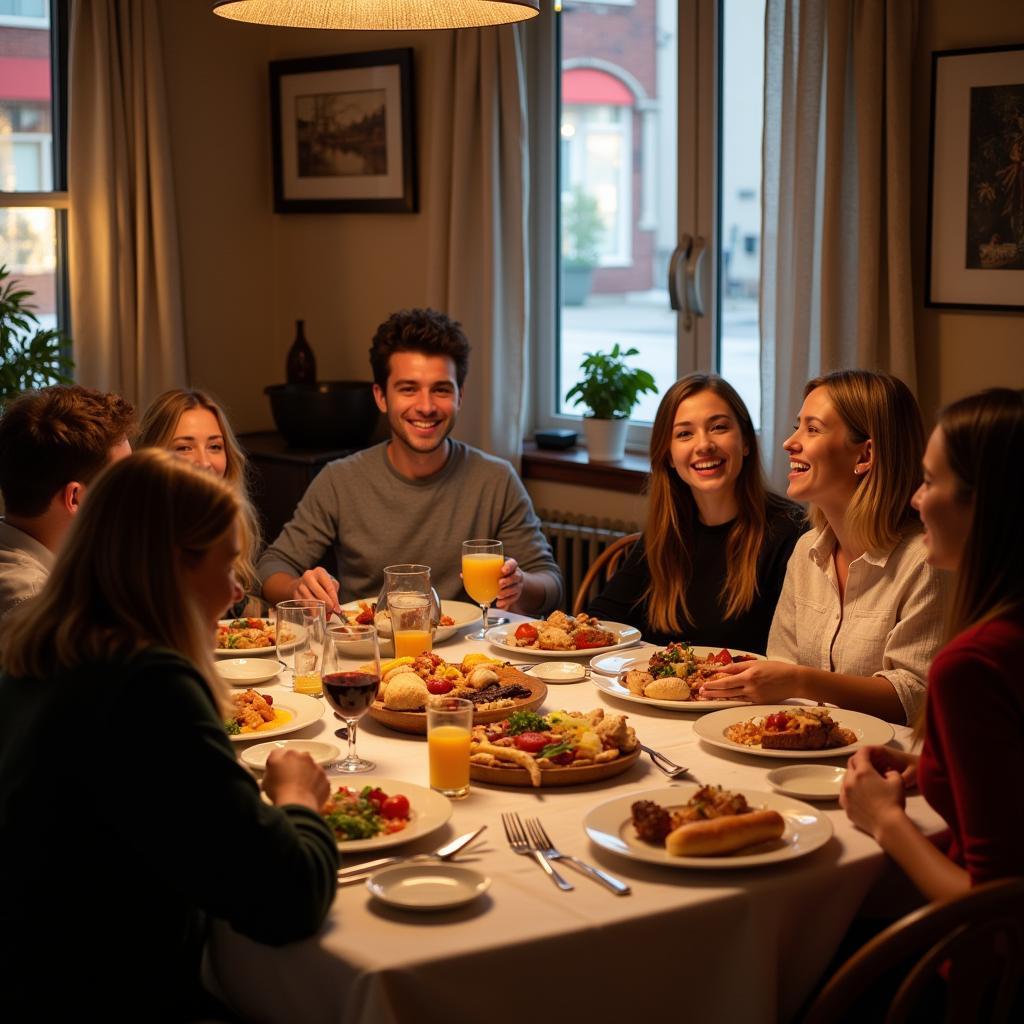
x=576 y=541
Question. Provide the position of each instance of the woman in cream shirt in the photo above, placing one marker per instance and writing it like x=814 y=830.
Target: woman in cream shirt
x=860 y=615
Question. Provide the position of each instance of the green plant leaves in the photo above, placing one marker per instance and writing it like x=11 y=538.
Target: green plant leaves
x=30 y=356
x=609 y=387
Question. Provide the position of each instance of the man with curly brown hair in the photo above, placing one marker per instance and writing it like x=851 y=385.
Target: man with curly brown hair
x=416 y=497
x=53 y=442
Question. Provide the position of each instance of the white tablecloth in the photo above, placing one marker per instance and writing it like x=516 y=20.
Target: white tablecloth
x=720 y=945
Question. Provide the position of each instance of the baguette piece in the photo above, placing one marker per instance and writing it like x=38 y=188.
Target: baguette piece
x=725 y=834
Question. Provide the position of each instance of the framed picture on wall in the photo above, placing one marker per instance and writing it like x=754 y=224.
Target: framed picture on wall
x=975 y=256
x=343 y=134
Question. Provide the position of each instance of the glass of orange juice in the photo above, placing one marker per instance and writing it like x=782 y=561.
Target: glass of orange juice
x=449 y=725
x=481 y=567
x=410 y=623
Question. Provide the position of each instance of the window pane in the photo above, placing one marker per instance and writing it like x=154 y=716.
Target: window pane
x=26 y=141
x=618 y=188
x=740 y=228
x=28 y=249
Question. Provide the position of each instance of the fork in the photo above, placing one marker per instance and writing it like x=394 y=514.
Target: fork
x=669 y=767
x=517 y=839
x=542 y=841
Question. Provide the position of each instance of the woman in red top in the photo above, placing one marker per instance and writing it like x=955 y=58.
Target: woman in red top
x=972 y=764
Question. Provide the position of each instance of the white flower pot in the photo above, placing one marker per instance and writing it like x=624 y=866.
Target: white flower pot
x=606 y=439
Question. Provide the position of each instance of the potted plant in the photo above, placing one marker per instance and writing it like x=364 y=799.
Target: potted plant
x=30 y=356
x=582 y=228
x=610 y=389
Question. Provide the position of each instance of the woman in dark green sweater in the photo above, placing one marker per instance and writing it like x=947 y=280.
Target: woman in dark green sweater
x=125 y=821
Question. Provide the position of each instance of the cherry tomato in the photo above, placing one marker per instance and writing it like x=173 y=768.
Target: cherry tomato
x=378 y=798
x=365 y=617
x=724 y=657
x=531 y=742
x=396 y=806
x=269 y=698
x=777 y=722
x=439 y=686
x=526 y=632
x=586 y=639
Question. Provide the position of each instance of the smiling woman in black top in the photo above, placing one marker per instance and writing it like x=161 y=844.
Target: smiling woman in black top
x=710 y=565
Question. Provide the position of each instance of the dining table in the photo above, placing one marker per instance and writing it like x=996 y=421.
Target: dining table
x=714 y=943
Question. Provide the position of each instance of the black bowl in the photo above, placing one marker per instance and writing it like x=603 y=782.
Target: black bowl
x=330 y=414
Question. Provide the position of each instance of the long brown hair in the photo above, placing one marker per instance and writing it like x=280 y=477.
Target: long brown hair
x=117 y=586
x=672 y=512
x=158 y=429
x=881 y=408
x=984 y=438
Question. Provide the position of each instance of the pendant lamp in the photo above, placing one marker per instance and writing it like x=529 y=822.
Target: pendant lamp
x=378 y=14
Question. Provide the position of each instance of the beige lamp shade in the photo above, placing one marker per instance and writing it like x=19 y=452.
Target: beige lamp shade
x=378 y=14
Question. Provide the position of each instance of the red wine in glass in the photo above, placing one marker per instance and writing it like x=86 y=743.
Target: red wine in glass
x=350 y=693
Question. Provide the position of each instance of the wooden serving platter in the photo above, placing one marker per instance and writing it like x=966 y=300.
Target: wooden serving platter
x=568 y=776
x=415 y=722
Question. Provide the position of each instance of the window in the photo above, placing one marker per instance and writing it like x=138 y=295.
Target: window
x=657 y=138
x=33 y=202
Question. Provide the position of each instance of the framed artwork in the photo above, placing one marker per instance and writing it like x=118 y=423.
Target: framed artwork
x=343 y=136
x=975 y=256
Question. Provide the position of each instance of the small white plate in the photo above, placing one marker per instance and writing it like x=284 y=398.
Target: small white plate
x=627 y=636
x=247 y=671
x=559 y=672
x=808 y=781
x=427 y=886
x=322 y=753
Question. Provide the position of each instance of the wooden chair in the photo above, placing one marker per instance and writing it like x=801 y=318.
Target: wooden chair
x=602 y=569
x=972 y=946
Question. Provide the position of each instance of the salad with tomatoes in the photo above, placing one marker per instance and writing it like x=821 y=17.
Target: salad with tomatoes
x=365 y=813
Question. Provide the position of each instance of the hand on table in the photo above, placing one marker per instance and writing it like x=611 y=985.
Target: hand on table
x=510 y=584
x=888 y=759
x=868 y=796
x=293 y=777
x=317 y=585
x=762 y=682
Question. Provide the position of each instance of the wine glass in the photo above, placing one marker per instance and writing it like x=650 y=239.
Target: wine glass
x=481 y=567
x=351 y=680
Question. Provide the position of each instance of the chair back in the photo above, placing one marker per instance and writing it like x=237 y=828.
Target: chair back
x=602 y=569
x=970 y=947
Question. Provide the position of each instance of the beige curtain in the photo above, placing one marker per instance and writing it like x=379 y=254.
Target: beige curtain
x=477 y=199
x=836 y=287
x=126 y=308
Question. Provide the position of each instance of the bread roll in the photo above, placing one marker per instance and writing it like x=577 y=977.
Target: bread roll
x=724 y=835
x=669 y=688
x=406 y=692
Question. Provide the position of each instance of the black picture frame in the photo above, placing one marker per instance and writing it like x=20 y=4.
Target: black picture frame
x=975 y=243
x=343 y=133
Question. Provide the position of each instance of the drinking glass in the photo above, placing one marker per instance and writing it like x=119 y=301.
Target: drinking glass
x=405 y=578
x=481 y=566
x=300 y=627
x=351 y=680
x=410 y=623
x=449 y=727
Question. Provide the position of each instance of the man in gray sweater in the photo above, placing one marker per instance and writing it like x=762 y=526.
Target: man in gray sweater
x=417 y=497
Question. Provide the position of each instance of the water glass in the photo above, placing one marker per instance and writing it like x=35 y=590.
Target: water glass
x=300 y=629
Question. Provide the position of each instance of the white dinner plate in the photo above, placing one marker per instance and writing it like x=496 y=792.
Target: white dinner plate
x=559 y=671
x=615 y=689
x=870 y=731
x=498 y=636
x=611 y=825
x=808 y=781
x=304 y=711
x=428 y=811
x=247 y=671
x=256 y=757
x=462 y=612
x=427 y=886
x=249 y=652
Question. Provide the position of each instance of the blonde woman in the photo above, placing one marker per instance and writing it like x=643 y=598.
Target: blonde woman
x=193 y=426
x=125 y=820
x=713 y=556
x=860 y=616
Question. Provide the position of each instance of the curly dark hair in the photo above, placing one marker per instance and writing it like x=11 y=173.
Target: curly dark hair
x=419 y=330
x=54 y=436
